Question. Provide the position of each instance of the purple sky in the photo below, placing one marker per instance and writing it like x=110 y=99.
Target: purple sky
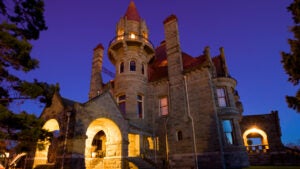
x=252 y=33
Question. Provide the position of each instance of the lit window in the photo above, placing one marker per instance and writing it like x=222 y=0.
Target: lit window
x=228 y=132
x=132 y=66
x=132 y=36
x=140 y=106
x=122 y=67
x=163 y=106
x=179 y=135
x=221 y=97
x=122 y=103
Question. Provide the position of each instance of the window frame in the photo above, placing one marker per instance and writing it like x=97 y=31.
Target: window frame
x=140 y=106
x=121 y=67
x=222 y=97
x=165 y=107
x=229 y=137
x=122 y=101
x=132 y=68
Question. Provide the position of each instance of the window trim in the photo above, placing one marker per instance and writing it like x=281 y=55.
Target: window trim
x=223 y=98
x=132 y=68
x=140 y=102
x=161 y=107
x=230 y=141
x=122 y=101
x=121 y=67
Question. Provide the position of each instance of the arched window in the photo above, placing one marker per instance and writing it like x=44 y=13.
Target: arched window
x=121 y=67
x=132 y=66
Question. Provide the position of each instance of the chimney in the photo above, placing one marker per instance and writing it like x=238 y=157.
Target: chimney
x=96 y=77
x=173 y=50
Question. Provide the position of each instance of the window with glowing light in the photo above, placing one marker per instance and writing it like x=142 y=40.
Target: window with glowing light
x=132 y=65
x=132 y=36
x=140 y=112
x=122 y=103
x=163 y=106
x=121 y=67
x=228 y=131
x=222 y=100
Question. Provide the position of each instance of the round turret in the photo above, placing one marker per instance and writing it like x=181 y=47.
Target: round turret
x=130 y=51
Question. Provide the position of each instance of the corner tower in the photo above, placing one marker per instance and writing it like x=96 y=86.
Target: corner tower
x=130 y=51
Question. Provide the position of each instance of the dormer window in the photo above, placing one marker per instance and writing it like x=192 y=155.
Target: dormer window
x=132 y=66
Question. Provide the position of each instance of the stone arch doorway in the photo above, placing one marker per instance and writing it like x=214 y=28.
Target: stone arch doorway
x=46 y=150
x=104 y=140
x=99 y=145
x=256 y=140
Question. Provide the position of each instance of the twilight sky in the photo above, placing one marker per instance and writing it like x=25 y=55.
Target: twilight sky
x=253 y=33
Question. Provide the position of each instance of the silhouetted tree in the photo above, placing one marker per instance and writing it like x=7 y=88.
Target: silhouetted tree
x=291 y=60
x=21 y=22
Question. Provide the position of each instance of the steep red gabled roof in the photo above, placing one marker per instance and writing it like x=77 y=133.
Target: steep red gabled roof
x=158 y=68
x=132 y=13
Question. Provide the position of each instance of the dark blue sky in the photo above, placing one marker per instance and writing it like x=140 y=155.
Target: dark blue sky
x=253 y=33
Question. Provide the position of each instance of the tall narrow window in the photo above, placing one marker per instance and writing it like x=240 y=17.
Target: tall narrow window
x=122 y=103
x=221 y=93
x=139 y=106
x=179 y=135
x=143 y=69
x=163 y=106
x=132 y=66
x=228 y=131
x=122 y=67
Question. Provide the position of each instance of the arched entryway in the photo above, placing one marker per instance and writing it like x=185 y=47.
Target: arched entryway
x=99 y=145
x=46 y=150
x=104 y=141
x=256 y=140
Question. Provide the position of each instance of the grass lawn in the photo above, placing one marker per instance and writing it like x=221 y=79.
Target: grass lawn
x=273 y=167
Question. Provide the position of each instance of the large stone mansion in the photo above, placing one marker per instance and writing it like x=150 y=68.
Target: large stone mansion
x=163 y=109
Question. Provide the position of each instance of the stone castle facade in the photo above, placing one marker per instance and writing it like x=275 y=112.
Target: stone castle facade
x=163 y=109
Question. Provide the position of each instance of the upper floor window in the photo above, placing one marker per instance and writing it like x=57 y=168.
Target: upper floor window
x=163 y=106
x=121 y=67
x=143 y=68
x=228 y=131
x=132 y=66
x=139 y=106
x=222 y=100
x=122 y=103
x=179 y=135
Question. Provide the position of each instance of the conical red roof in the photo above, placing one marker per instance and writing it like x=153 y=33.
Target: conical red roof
x=132 y=13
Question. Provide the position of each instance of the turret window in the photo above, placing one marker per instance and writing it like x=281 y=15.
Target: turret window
x=132 y=66
x=122 y=103
x=122 y=67
x=222 y=99
x=143 y=69
x=140 y=106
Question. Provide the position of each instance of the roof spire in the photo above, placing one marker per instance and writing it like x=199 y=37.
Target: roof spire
x=132 y=13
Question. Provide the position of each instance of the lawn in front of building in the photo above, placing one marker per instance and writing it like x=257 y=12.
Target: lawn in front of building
x=273 y=167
